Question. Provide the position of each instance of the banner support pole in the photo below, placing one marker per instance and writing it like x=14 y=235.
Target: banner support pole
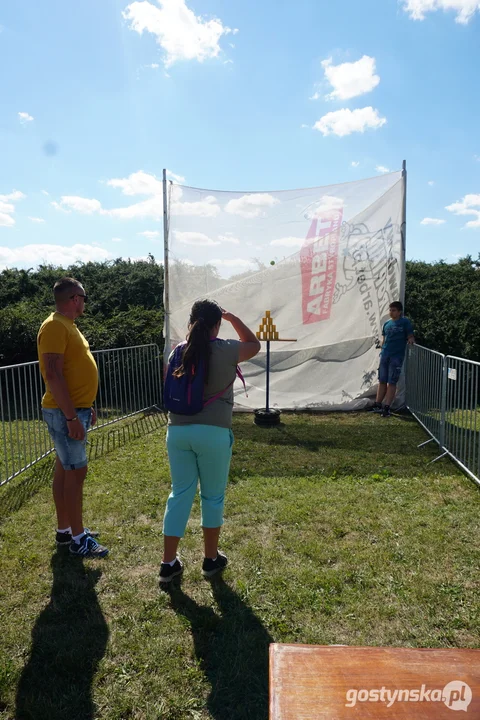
x=403 y=232
x=166 y=285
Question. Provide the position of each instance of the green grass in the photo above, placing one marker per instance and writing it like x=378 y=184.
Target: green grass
x=337 y=531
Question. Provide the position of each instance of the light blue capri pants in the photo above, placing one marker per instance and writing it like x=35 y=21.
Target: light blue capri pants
x=197 y=452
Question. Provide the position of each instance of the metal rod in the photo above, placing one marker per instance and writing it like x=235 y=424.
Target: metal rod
x=166 y=285
x=268 y=376
x=403 y=232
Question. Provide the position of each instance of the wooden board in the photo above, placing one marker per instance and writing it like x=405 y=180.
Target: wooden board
x=316 y=682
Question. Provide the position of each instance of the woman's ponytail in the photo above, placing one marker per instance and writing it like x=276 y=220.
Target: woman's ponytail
x=205 y=315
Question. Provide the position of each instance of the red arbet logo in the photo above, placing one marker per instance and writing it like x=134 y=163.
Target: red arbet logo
x=318 y=259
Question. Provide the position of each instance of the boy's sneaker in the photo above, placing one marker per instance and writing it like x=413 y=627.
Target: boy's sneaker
x=88 y=547
x=65 y=538
x=168 y=572
x=212 y=567
x=377 y=408
x=386 y=411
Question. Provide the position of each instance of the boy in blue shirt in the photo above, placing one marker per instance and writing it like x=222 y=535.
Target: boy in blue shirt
x=397 y=333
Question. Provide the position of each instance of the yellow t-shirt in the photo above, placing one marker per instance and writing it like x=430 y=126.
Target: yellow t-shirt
x=59 y=334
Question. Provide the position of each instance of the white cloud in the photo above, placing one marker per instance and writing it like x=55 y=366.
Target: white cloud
x=153 y=66
x=431 y=183
x=84 y=206
x=251 y=206
x=469 y=205
x=382 y=169
x=45 y=192
x=141 y=183
x=36 y=219
x=7 y=208
x=465 y=9
x=117 y=240
x=345 y=121
x=304 y=126
x=228 y=238
x=355 y=163
x=326 y=204
x=432 y=221
x=25 y=118
x=351 y=79
x=176 y=178
x=33 y=255
x=289 y=242
x=181 y=34
x=138 y=183
x=194 y=238
x=150 y=234
x=315 y=96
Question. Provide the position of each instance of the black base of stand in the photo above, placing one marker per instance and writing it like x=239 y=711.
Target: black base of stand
x=266 y=418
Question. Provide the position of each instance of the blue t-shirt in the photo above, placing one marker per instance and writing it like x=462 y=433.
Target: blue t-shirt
x=396 y=333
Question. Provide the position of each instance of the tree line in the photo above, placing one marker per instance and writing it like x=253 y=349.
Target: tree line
x=126 y=305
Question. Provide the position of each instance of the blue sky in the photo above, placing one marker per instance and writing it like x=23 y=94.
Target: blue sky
x=98 y=97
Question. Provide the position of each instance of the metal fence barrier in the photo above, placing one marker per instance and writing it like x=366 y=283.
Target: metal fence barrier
x=130 y=383
x=442 y=393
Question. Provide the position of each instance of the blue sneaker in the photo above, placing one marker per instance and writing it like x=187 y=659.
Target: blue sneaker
x=88 y=547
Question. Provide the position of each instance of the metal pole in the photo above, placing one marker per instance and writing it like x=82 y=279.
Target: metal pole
x=443 y=407
x=268 y=376
x=403 y=232
x=166 y=287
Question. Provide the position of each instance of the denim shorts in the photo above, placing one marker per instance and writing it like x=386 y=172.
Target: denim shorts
x=71 y=453
x=390 y=369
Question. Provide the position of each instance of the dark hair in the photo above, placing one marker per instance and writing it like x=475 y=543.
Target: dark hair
x=65 y=287
x=397 y=305
x=204 y=315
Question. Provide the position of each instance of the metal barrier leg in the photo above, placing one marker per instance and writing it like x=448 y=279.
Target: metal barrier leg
x=426 y=442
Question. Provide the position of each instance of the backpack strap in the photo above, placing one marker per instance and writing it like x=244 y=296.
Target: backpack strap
x=238 y=373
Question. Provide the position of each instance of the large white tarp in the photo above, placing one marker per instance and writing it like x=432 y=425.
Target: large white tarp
x=338 y=263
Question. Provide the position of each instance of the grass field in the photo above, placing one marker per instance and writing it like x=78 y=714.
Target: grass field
x=337 y=531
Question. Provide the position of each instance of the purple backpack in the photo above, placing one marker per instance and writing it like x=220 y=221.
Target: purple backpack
x=184 y=395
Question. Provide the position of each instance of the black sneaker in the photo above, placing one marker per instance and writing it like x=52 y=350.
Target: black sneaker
x=88 y=547
x=168 y=572
x=377 y=408
x=212 y=567
x=65 y=538
x=386 y=411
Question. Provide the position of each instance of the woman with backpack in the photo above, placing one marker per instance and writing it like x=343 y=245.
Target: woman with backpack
x=199 y=397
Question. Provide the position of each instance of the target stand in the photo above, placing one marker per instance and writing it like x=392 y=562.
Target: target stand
x=267 y=331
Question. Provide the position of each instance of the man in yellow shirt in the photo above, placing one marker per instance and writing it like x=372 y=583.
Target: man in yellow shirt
x=71 y=379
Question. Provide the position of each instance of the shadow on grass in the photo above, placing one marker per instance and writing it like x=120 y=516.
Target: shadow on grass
x=69 y=639
x=233 y=650
x=22 y=488
x=100 y=443
x=347 y=444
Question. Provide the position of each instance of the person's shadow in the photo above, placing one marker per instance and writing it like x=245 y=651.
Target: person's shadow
x=69 y=639
x=233 y=651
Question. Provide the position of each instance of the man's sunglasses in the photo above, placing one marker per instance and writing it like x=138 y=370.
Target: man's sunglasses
x=85 y=297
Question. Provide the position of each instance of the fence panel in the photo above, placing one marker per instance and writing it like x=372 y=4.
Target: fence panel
x=462 y=419
x=443 y=394
x=130 y=382
x=425 y=388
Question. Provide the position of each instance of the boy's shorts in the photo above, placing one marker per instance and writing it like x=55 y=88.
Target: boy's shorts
x=71 y=453
x=390 y=369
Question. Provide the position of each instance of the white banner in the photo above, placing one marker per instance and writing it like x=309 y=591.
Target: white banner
x=326 y=262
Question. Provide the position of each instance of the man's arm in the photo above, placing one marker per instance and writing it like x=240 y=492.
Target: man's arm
x=411 y=339
x=58 y=387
